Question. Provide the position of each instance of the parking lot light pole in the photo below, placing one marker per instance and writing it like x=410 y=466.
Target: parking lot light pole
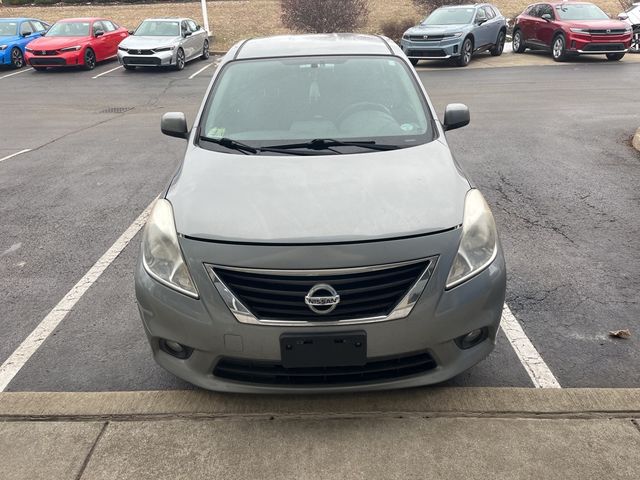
x=205 y=16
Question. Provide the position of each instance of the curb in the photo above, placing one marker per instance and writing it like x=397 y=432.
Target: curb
x=451 y=402
x=635 y=141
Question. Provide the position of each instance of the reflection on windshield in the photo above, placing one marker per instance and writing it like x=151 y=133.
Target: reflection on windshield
x=581 y=11
x=69 y=29
x=277 y=101
x=8 y=29
x=450 y=16
x=158 y=29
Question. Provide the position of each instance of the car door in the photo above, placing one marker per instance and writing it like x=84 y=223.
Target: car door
x=100 y=42
x=536 y=20
x=27 y=34
x=113 y=37
x=528 y=24
x=545 y=28
x=198 y=36
x=492 y=24
x=480 y=28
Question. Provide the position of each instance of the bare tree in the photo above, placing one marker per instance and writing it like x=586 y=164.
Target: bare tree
x=324 y=16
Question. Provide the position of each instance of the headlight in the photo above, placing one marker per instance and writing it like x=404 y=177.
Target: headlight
x=122 y=49
x=161 y=254
x=479 y=243
x=627 y=29
x=580 y=30
x=75 y=48
x=163 y=49
x=3 y=47
x=455 y=35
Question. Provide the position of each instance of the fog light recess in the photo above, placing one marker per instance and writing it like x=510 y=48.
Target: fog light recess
x=472 y=338
x=175 y=349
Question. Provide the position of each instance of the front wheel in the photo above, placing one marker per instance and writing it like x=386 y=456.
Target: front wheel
x=465 y=53
x=518 y=42
x=205 y=50
x=89 y=59
x=17 y=59
x=498 y=48
x=614 y=57
x=180 y=59
x=558 y=49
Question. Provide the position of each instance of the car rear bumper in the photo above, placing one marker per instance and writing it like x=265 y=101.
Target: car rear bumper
x=218 y=339
x=159 y=59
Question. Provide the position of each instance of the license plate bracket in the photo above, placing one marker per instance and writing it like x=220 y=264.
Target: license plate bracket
x=323 y=349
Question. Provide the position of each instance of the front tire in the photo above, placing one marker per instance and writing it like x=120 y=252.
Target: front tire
x=180 y=60
x=466 y=53
x=205 y=50
x=17 y=58
x=559 y=49
x=614 y=57
x=89 y=59
x=517 y=42
x=498 y=48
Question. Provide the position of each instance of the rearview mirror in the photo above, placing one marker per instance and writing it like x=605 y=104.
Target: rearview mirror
x=456 y=115
x=546 y=16
x=174 y=124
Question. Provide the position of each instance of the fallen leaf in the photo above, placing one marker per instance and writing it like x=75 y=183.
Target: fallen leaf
x=620 y=333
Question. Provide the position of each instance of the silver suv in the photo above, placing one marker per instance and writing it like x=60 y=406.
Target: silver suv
x=319 y=234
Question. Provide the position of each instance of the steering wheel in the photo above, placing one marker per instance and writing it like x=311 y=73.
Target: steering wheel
x=362 y=106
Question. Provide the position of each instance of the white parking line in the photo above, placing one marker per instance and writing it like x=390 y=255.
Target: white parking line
x=15 y=154
x=32 y=343
x=16 y=73
x=536 y=368
x=108 y=71
x=202 y=69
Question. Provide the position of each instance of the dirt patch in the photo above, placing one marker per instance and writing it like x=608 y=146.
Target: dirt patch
x=233 y=20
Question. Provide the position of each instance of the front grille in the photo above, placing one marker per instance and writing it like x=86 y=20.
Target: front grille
x=141 y=61
x=135 y=51
x=603 y=47
x=432 y=52
x=613 y=31
x=370 y=293
x=429 y=38
x=47 y=61
x=275 y=374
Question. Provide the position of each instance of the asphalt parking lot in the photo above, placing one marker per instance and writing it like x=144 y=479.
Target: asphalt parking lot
x=548 y=146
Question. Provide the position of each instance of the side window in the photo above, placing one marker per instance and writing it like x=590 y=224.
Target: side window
x=533 y=11
x=192 y=25
x=489 y=12
x=184 y=28
x=38 y=26
x=26 y=28
x=546 y=9
x=481 y=14
x=98 y=27
x=108 y=26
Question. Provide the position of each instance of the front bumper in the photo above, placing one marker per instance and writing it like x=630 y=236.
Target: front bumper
x=63 y=59
x=5 y=56
x=157 y=59
x=208 y=327
x=598 y=44
x=432 y=50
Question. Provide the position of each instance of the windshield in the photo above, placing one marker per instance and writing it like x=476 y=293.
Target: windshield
x=8 y=29
x=275 y=101
x=450 y=16
x=580 y=11
x=152 y=28
x=69 y=29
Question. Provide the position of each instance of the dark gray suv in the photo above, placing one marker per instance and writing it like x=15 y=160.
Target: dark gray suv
x=319 y=235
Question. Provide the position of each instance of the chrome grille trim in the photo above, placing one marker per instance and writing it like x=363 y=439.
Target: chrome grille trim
x=401 y=310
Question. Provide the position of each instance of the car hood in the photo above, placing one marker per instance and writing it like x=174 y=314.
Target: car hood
x=318 y=199
x=9 y=39
x=435 y=29
x=55 y=43
x=608 y=23
x=142 y=42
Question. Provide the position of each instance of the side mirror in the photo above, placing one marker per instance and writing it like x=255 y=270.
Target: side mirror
x=456 y=115
x=27 y=34
x=623 y=16
x=198 y=27
x=131 y=32
x=174 y=124
x=98 y=33
x=187 y=34
x=546 y=16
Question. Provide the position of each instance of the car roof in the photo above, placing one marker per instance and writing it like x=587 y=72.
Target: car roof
x=169 y=19
x=81 y=19
x=17 y=19
x=313 y=44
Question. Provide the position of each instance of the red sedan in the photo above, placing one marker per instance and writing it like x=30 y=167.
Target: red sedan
x=76 y=42
x=570 y=28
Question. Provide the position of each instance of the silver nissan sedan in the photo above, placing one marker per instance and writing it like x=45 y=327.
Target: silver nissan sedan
x=319 y=236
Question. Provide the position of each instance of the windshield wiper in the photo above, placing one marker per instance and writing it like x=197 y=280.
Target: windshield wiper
x=328 y=143
x=231 y=144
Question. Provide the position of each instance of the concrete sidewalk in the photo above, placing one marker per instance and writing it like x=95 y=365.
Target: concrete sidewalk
x=441 y=433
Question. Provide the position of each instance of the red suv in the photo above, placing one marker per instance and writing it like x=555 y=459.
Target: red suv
x=570 y=28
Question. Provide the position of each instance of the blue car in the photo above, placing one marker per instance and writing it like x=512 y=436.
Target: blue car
x=15 y=34
x=456 y=33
